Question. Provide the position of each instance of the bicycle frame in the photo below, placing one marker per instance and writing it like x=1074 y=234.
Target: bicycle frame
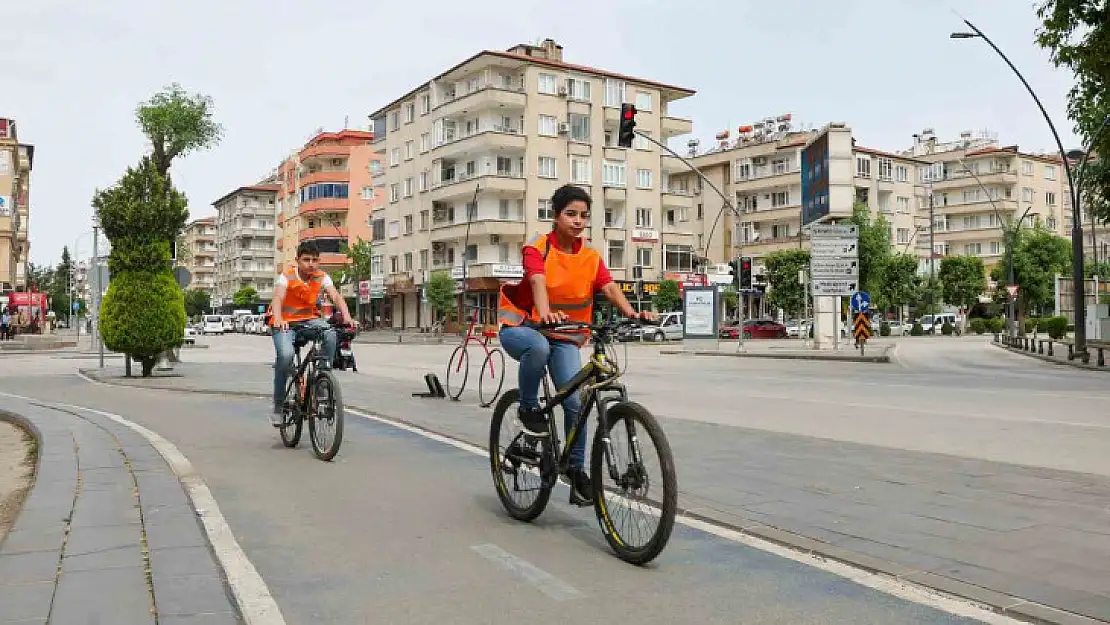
x=300 y=367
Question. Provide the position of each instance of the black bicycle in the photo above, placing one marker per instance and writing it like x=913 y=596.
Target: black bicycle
x=527 y=457
x=312 y=393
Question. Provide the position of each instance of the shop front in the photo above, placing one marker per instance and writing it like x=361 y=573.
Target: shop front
x=640 y=299
x=482 y=289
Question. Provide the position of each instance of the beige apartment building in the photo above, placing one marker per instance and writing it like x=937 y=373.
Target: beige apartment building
x=976 y=184
x=760 y=172
x=199 y=255
x=245 y=243
x=487 y=142
x=16 y=162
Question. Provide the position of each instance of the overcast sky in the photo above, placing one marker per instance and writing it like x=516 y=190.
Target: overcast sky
x=73 y=72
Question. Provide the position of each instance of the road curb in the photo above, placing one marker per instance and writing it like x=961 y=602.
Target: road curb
x=986 y=599
x=883 y=358
x=1051 y=359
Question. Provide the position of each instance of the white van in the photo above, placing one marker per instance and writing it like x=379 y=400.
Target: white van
x=213 y=324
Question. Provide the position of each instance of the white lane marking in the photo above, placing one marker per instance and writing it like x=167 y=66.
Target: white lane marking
x=543 y=581
x=878 y=581
x=256 y=603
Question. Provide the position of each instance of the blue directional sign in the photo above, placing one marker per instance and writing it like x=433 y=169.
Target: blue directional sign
x=76 y=306
x=860 y=301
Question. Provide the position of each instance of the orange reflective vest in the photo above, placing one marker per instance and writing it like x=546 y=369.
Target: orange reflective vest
x=570 y=282
x=301 y=296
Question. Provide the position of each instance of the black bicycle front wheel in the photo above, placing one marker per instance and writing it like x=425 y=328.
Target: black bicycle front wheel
x=292 y=421
x=518 y=467
x=325 y=419
x=492 y=377
x=458 y=367
x=628 y=493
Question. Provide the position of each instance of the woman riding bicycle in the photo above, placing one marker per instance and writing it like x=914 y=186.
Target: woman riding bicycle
x=561 y=275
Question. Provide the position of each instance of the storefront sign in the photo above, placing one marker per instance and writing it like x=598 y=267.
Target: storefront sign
x=508 y=271
x=628 y=287
x=645 y=235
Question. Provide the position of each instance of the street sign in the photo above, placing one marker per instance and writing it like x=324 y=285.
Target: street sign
x=831 y=231
x=835 y=268
x=860 y=301
x=834 y=248
x=1012 y=289
x=833 y=288
x=862 y=326
x=76 y=306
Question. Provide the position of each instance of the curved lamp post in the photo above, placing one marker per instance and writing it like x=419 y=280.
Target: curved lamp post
x=1078 y=296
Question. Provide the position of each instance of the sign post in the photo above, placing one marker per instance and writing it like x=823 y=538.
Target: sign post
x=700 y=316
x=834 y=273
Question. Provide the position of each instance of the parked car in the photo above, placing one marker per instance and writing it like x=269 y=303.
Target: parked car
x=754 y=329
x=212 y=324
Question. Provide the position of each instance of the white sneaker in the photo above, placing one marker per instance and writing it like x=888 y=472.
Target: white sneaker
x=276 y=417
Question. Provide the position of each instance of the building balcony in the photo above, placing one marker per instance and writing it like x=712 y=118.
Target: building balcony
x=254 y=274
x=325 y=176
x=325 y=151
x=669 y=165
x=768 y=180
x=982 y=235
x=325 y=232
x=762 y=247
x=325 y=205
x=248 y=231
x=678 y=198
x=462 y=185
x=332 y=259
x=252 y=253
x=486 y=97
x=507 y=270
x=498 y=139
x=960 y=179
x=1005 y=207
x=449 y=231
x=675 y=126
x=775 y=214
x=614 y=193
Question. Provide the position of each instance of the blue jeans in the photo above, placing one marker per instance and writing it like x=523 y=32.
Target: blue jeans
x=283 y=351
x=535 y=351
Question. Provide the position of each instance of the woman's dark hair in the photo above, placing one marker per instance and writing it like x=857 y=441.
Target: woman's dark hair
x=566 y=194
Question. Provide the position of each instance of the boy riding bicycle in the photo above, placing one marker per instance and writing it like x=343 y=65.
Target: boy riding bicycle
x=296 y=309
x=561 y=276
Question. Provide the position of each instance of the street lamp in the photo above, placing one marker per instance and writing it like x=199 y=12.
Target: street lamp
x=1078 y=297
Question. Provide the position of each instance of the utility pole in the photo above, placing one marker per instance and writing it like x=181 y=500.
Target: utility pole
x=932 y=251
x=96 y=293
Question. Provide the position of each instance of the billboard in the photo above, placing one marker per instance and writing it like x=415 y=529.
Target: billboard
x=815 y=179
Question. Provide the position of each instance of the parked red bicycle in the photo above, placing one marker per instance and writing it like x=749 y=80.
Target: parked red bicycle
x=492 y=374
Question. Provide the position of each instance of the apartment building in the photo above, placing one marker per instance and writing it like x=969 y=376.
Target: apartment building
x=473 y=155
x=16 y=161
x=315 y=200
x=760 y=172
x=245 y=242
x=199 y=253
x=976 y=184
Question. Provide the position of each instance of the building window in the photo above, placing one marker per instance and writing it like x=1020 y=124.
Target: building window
x=410 y=112
x=1026 y=194
x=902 y=173
x=547 y=168
x=424 y=220
x=423 y=259
x=780 y=199
x=394 y=229
x=580 y=170
x=578 y=89
x=641 y=143
x=409 y=153
x=548 y=126
x=408 y=187
x=643 y=178
x=643 y=101
x=614 y=92
x=903 y=236
x=395 y=157
x=643 y=217
x=886 y=169
x=393 y=268
x=643 y=257
x=612 y=174
x=423 y=181
x=408 y=261
x=377 y=230
x=425 y=104
x=1050 y=198
x=863 y=167
x=394 y=192
x=1027 y=168
x=545 y=211
x=547 y=84
x=616 y=254
x=368 y=193
x=1050 y=172
x=903 y=204
x=579 y=127
x=995 y=247
x=395 y=120
x=408 y=224
x=678 y=258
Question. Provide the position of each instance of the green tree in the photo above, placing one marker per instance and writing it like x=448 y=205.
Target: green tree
x=358 y=260
x=197 y=302
x=668 y=298
x=962 y=280
x=184 y=254
x=245 y=296
x=900 y=282
x=440 y=290
x=176 y=124
x=874 y=251
x=143 y=312
x=1077 y=35
x=784 y=290
x=1039 y=255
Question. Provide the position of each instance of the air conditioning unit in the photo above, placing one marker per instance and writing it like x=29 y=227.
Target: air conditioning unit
x=759 y=160
x=563 y=91
x=494 y=239
x=439 y=246
x=564 y=128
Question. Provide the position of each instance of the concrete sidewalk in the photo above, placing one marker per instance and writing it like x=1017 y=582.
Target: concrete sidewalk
x=1032 y=542
x=107 y=534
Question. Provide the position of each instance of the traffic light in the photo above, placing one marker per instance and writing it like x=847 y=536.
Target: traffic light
x=735 y=264
x=628 y=122
x=745 y=272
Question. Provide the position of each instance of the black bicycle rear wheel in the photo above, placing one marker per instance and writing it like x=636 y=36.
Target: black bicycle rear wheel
x=291 y=416
x=629 y=491
x=524 y=458
x=325 y=414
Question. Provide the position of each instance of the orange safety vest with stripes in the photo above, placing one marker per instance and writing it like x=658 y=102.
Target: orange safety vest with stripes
x=299 y=303
x=570 y=282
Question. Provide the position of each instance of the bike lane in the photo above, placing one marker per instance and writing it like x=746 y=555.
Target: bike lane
x=405 y=528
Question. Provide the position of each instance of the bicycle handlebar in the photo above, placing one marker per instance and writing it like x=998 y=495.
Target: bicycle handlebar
x=597 y=328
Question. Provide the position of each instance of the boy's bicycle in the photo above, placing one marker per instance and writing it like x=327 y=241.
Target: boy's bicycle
x=542 y=461
x=312 y=393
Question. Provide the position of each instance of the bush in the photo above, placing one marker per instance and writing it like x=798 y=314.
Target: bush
x=1056 y=327
x=884 y=329
x=143 y=315
x=946 y=329
x=1031 y=324
x=917 y=330
x=978 y=325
